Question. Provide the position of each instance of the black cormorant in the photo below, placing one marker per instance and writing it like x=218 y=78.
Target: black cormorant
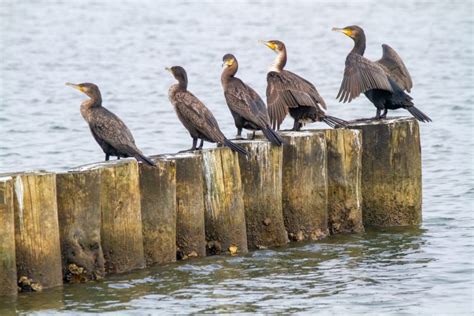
x=194 y=115
x=247 y=108
x=288 y=92
x=383 y=82
x=108 y=130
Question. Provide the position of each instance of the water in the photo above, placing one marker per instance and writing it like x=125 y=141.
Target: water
x=123 y=46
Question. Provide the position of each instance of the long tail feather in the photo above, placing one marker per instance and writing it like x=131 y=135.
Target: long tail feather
x=420 y=116
x=334 y=122
x=272 y=136
x=144 y=159
x=235 y=147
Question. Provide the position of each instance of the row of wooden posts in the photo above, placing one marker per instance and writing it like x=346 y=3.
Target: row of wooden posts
x=118 y=216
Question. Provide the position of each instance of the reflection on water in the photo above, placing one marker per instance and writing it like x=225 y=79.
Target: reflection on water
x=124 y=48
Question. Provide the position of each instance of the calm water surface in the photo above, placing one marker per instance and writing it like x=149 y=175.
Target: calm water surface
x=123 y=46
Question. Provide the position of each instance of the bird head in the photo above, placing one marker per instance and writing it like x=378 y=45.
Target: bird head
x=228 y=60
x=352 y=31
x=87 y=88
x=274 y=45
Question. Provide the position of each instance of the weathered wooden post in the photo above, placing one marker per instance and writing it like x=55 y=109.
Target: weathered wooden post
x=344 y=163
x=261 y=174
x=38 y=252
x=304 y=185
x=121 y=229
x=158 y=209
x=78 y=198
x=391 y=171
x=190 y=227
x=225 y=214
x=8 y=279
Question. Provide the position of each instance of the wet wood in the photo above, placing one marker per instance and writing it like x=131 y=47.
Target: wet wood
x=304 y=185
x=224 y=204
x=158 y=208
x=344 y=163
x=8 y=278
x=190 y=228
x=121 y=228
x=391 y=172
x=38 y=252
x=78 y=198
x=261 y=175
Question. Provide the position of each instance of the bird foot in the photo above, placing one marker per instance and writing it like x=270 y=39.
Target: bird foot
x=187 y=150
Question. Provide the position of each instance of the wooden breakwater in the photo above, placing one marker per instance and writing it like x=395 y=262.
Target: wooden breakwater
x=117 y=216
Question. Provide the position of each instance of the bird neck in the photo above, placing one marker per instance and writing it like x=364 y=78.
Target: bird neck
x=228 y=73
x=94 y=101
x=183 y=84
x=280 y=61
x=359 y=45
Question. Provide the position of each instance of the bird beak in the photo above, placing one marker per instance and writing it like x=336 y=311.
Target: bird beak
x=343 y=31
x=268 y=44
x=168 y=69
x=75 y=86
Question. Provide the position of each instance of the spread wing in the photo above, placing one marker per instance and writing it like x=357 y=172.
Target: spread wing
x=395 y=68
x=195 y=115
x=361 y=75
x=288 y=90
x=108 y=128
x=246 y=102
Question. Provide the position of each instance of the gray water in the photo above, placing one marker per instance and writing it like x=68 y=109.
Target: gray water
x=123 y=46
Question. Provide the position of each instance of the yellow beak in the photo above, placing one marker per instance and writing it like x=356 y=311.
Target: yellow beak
x=268 y=44
x=348 y=32
x=168 y=69
x=75 y=86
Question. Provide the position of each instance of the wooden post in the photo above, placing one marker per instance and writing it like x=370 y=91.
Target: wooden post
x=304 y=185
x=8 y=285
x=190 y=227
x=78 y=198
x=391 y=171
x=344 y=156
x=158 y=207
x=225 y=214
x=261 y=174
x=121 y=229
x=38 y=252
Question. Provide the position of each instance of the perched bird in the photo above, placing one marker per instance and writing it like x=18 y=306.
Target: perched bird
x=246 y=106
x=194 y=115
x=108 y=130
x=383 y=82
x=288 y=92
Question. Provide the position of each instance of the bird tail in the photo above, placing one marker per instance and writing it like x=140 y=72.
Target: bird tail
x=235 y=147
x=141 y=157
x=334 y=122
x=273 y=136
x=420 y=116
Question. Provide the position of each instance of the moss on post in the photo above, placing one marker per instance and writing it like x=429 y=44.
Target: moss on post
x=78 y=198
x=261 y=174
x=190 y=228
x=391 y=172
x=158 y=209
x=38 y=252
x=344 y=156
x=304 y=185
x=8 y=279
x=225 y=214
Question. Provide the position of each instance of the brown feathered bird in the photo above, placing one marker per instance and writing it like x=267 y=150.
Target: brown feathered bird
x=247 y=108
x=288 y=92
x=194 y=115
x=383 y=82
x=108 y=129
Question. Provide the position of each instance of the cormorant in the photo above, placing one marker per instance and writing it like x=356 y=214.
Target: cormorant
x=194 y=115
x=288 y=92
x=109 y=131
x=247 y=108
x=383 y=82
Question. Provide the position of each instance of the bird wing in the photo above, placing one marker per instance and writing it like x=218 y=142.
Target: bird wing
x=361 y=75
x=109 y=128
x=195 y=115
x=243 y=100
x=288 y=90
x=395 y=68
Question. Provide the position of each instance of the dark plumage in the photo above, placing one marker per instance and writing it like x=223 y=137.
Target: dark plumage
x=247 y=108
x=383 y=82
x=194 y=115
x=288 y=92
x=108 y=129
